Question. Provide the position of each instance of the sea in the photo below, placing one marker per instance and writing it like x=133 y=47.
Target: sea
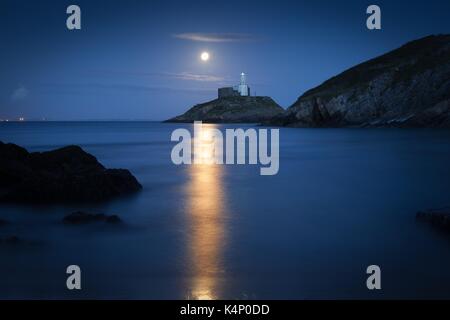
x=342 y=200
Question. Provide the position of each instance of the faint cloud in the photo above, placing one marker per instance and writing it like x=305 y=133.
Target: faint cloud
x=215 y=37
x=19 y=94
x=96 y=88
x=188 y=76
x=195 y=77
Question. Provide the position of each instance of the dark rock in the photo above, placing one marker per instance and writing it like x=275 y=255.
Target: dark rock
x=68 y=174
x=80 y=217
x=113 y=219
x=437 y=217
x=3 y=222
x=10 y=240
x=407 y=87
x=232 y=110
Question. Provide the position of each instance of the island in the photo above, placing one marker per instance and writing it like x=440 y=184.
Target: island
x=232 y=110
x=233 y=105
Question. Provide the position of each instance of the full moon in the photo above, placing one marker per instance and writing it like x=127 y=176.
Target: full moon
x=204 y=56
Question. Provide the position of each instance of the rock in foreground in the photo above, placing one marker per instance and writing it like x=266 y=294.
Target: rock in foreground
x=9 y=240
x=80 y=217
x=232 y=110
x=437 y=217
x=68 y=174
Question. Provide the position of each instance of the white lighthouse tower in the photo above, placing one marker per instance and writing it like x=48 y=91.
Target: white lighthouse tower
x=243 y=88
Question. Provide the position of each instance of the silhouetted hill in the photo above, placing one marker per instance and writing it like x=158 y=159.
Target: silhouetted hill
x=409 y=86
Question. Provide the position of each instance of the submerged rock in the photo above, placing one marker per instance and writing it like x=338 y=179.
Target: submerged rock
x=67 y=174
x=9 y=240
x=232 y=110
x=80 y=217
x=437 y=217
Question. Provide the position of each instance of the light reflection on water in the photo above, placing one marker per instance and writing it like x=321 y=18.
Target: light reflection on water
x=342 y=200
x=206 y=216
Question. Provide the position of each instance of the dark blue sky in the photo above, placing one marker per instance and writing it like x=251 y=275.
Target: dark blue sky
x=140 y=59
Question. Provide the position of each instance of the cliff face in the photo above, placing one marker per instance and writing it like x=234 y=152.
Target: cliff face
x=232 y=110
x=409 y=86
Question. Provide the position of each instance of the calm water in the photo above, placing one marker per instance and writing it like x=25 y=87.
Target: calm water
x=342 y=200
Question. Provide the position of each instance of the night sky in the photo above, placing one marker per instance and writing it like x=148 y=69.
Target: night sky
x=140 y=59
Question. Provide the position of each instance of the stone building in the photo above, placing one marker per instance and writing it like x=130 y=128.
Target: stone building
x=240 y=90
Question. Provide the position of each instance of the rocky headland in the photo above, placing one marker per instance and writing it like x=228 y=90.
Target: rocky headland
x=238 y=109
x=407 y=87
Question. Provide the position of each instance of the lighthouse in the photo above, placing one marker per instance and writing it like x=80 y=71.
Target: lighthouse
x=239 y=90
x=244 y=90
